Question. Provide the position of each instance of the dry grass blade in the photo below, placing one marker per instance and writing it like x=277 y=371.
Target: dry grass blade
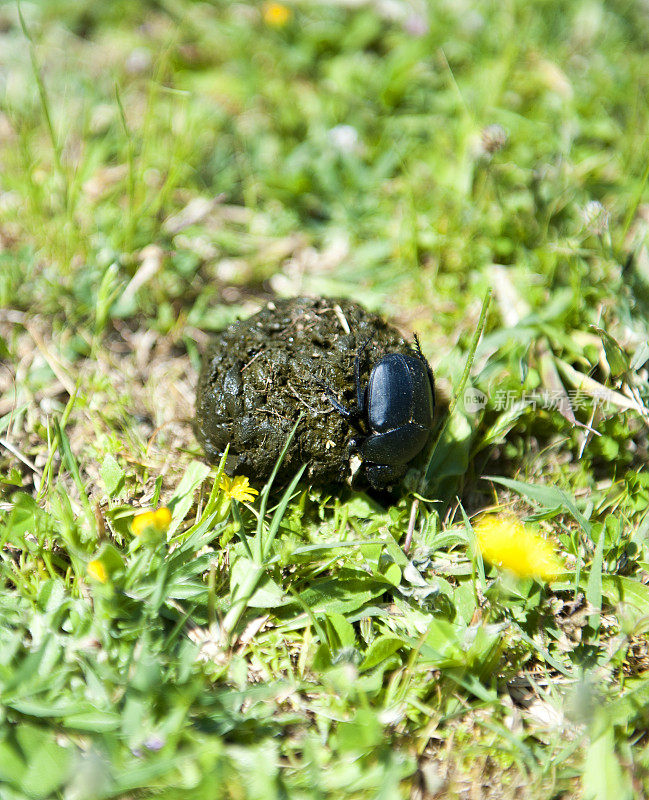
x=600 y=393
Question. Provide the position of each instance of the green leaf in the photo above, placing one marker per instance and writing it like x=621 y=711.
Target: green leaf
x=5 y=354
x=344 y=630
x=267 y=593
x=341 y=594
x=51 y=595
x=594 y=585
x=549 y=497
x=616 y=357
x=394 y=550
x=603 y=776
x=93 y=721
x=12 y=764
x=392 y=573
x=48 y=764
x=619 y=589
x=112 y=475
x=183 y=498
x=25 y=517
x=631 y=705
x=435 y=459
x=8 y=418
x=259 y=765
x=497 y=432
x=110 y=557
x=363 y=732
x=45 y=709
x=381 y=648
x=71 y=464
x=260 y=545
x=363 y=507
x=264 y=546
x=451 y=456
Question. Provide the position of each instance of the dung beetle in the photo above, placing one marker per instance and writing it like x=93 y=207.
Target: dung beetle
x=396 y=407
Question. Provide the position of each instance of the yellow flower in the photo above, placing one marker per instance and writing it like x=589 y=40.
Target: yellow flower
x=276 y=15
x=238 y=488
x=507 y=543
x=97 y=571
x=158 y=519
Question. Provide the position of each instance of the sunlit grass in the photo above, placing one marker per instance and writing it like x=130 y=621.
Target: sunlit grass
x=169 y=630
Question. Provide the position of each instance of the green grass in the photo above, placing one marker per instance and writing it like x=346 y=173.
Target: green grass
x=166 y=168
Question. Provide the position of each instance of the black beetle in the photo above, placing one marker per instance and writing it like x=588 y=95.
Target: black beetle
x=397 y=407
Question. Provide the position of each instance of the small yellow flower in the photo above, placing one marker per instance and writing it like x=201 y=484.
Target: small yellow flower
x=97 y=571
x=238 y=488
x=158 y=519
x=162 y=518
x=507 y=543
x=276 y=15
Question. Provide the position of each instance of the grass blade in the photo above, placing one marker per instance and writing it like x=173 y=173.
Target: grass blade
x=71 y=463
x=265 y=492
x=459 y=392
x=594 y=585
x=279 y=513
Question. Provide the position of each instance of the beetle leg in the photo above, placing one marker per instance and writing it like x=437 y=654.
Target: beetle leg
x=423 y=358
x=382 y=476
x=331 y=397
x=340 y=408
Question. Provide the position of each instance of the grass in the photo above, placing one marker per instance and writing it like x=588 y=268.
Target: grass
x=166 y=168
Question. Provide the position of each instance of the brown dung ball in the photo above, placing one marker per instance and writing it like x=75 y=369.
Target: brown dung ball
x=261 y=373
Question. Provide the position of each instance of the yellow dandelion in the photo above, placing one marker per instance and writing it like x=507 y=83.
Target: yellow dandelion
x=159 y=520
x=238 y=488
x=505 y=542
x=276 y=15
x=162 y=518
x=97 y=571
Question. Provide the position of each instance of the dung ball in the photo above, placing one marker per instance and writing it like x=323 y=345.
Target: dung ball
x=260 y=374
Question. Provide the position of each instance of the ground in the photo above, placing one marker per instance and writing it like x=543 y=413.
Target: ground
x=474 y=172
